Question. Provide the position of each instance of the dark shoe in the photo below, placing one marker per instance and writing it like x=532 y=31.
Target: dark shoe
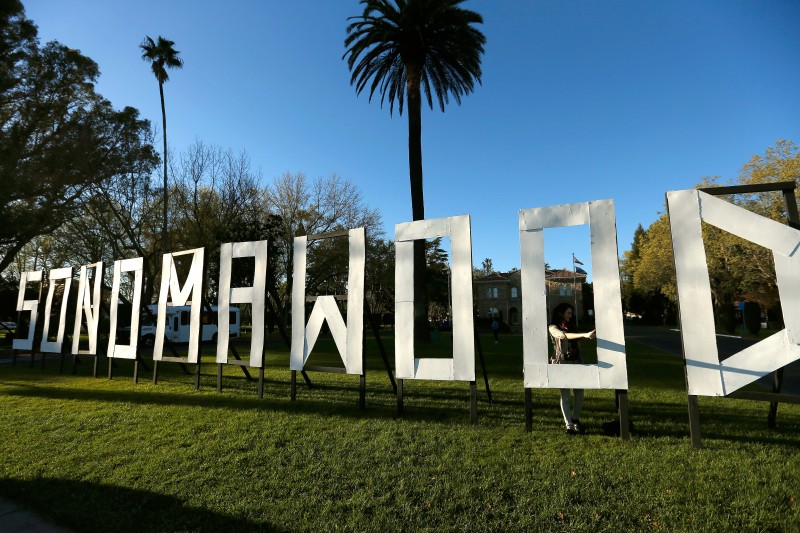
x=571 y=431
x=578 y=426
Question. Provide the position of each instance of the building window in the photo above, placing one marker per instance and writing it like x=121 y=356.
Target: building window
x=561 y=289
x=492 y=293
x=569 y=290
x=514 y=292
x=493 y=312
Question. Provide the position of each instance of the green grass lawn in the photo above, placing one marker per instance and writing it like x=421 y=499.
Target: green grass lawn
x=99 y=455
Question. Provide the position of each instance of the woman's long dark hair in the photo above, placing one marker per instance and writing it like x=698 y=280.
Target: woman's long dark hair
x=557 y=318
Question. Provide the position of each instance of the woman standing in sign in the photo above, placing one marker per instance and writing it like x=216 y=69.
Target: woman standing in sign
x=563 y=332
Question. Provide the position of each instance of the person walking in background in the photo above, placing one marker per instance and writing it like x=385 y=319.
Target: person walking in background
x=565 y=338
x=495 y=329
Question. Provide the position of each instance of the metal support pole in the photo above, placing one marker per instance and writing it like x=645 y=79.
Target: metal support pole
x=694 y=422
x=362 y=390
x=473 y=402
x=622 y=410
x=777 y=384
x=528 y=409
x=400 y=396
x=293 y=394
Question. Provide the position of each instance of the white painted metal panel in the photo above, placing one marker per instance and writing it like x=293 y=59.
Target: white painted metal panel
x=172 y=291
x=89 y=306
x=787 y=272
x=557 y=216
x=434 y=369
x=355 y=301
x=461 y=291
x=423 y=229
x=462 y=366
x=535 y=375
x=611 y=370
x=348 y=338
x=573 y=377
x=122 y=351
x=534 y=305
x=705 y=374
x=56 y=274
x=612 y=364
x=757 y=361
x=299 y=347
x=326 y=310
x=24 y=305
x=404 y=308
x=254 y=295
x=694 y=295
x=780 y=238
x=224 y=301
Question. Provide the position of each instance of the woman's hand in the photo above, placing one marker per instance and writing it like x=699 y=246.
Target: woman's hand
x=592 y=334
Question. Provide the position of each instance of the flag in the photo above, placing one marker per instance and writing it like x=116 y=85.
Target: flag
x=577 y=261
x=579 y=270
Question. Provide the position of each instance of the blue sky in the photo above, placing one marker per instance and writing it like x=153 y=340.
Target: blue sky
x=581 y=100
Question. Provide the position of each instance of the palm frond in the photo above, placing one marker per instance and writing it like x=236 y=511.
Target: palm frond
x=435 y=39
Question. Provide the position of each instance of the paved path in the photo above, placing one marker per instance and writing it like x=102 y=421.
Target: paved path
x=16 y=520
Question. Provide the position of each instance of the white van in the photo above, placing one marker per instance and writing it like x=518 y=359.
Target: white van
x=176 y=328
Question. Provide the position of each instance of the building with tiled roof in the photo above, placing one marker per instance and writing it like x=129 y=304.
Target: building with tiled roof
x=499 y=295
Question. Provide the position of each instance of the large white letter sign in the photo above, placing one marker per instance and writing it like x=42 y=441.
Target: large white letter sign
x=171 y=286
x=88 y=304
x=27 y=305
x=136 y=266
x=462 y=366
x=55 y=275
x=705 y=374
x=610 y=372
x=254 y=295
x=348 y=339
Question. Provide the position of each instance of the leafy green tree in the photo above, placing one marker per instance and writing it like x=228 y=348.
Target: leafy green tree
x=379 y=289
x=737 y=268
x=486 y=269
x=162 y=55
x=402 y=49
x=60 y=140
x=437 y=279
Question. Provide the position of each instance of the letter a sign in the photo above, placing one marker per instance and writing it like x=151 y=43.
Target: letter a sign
x=706 y=375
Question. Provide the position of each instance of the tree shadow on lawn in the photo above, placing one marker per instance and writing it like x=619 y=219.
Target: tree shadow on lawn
x=657 y=420
x=317 y=401
x=85 y=506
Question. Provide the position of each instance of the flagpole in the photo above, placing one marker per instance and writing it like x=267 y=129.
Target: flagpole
x=574 y=292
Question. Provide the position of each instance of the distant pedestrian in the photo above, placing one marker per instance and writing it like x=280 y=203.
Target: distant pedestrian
x=495 y=330
x=563 y=332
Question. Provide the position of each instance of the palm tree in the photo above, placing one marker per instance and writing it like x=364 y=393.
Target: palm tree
x=404 y=47
x=162 y=55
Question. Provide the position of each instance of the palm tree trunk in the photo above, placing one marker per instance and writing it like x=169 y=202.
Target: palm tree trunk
x=421 y=332
x=164 y=124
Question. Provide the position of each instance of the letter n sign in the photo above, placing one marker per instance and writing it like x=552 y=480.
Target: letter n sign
x=610 y=372
x=706 y=375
